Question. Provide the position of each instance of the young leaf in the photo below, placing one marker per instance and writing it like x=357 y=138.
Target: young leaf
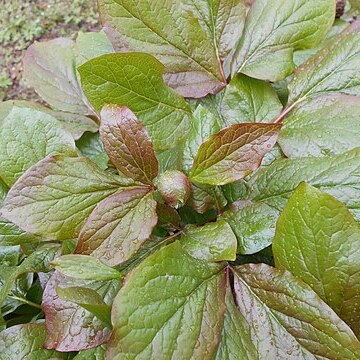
x=253 y=224
x=274 y=29
x=168 y=217
x=55 y=196
x=235 y=341
x=318 y=240
x=332 y=70
x=128 y=144
x=89 y=300
x=91 y=146
x=337 y=175
x=49 y=67
x=172 y=34
x=211 y=242
x=171 y=306
x=25 y=342
x=322 y=126
x=222 y=20
x=174 y=187
x=249 y=100
x=287 y=320
x=233 y=153
x=135 y=80
x=85 y=267
x=28 y=136
x=119 y=226
x=203 y=125
x=89 y=45
x=69 y=326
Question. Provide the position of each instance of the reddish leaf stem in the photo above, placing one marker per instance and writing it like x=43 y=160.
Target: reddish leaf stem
x=284 y=113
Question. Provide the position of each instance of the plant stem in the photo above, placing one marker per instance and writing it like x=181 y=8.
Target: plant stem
x=25 y=301
x=284 y=113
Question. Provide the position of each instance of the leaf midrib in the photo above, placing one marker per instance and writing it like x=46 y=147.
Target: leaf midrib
x=169 y=42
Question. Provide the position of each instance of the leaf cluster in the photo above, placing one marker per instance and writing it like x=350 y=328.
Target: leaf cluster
x=192 y=190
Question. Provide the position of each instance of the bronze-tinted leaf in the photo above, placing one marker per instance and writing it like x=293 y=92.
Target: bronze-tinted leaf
x=128 y=144
x=233 y=153
x=119 y=226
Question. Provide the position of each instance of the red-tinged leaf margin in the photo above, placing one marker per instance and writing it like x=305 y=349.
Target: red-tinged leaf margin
x=233 y=153
x=97 y=236
x=287 y=319
x=68 y=326
x=128 y=143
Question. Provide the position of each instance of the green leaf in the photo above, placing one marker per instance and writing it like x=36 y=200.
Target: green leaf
x=25 y=342
x=249 y=100
x=28 y=136
x=76 y=124
x=205 y=197
x=49 y=67
x=355 y=4
x=253 y=223
x=91 y=354
x=3 y=190
x=38 y=261
x=332 y=70
x=85 y=267
x=135 y=80
x=211 y=242
x=69 y=326
x=119 y=226
x=287 y=320
x=321 y=126
x=274 y=29
x=337 y=175
x=318 y=240
x=233 y=153
x=8 y=275
x=235 y=341
x=11 y=234
x=128 y=144
x=302 y=55
x=9 y=255
x=203 y=125
x=88 y=299
x=89 y=45
x=222 y=20
x=90 y=146
x=171 y=306
x=171 y=159
x=170 y=32
x=55 y=196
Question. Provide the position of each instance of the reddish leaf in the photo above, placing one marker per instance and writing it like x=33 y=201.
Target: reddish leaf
x=118 y=226
x=70 y=327
x=128 y=144
x=233 y=153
